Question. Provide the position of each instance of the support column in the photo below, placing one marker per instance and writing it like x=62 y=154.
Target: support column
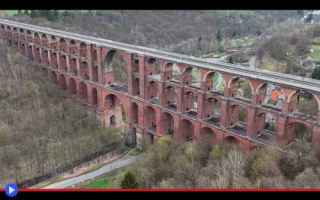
x=281 y=130
x=142 y=76
x=251 y=121
x=179 y=91
x=89 y=61
x=224 y=119
x=201 y=105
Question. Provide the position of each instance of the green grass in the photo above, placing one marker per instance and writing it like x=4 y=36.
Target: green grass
x=108 y=180
x=99 y=183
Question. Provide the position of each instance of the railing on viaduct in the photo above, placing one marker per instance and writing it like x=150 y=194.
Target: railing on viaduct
x=169 y=93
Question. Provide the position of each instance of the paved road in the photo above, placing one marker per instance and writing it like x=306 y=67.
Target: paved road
x=105 y=169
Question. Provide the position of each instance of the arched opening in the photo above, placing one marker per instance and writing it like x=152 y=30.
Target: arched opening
x=168 y=123
x=84 y=70
x=115 y=108
x=113 y=121
x=270 y=95
x=214 y=82
x=23 y=49
x=54 y=60
x=73 y=86
x=231 y=142
x=30 y=54
x=168 y=71
x=176 y=73
x=135 y=113
x=45 y=57
x=152 y=92
x=37 y=38
x=95 y=73
x=73 y=66
x=190 y=103
x=238 y=119
x=241 y=88
x=116 y=67
x=63 y=82
x=94 y=97
x=212 y=110
x=207 y=135
x=170 y=97
x=73 y=47
x=187 y=130
x=44 y=40
x=54 y=43
x=150 y=119
x=304 y=103
x=83 y=91
x=37 y=55
x=266 y=124
x=83 y=49
x=63 y=63
x=192 y=76
x=63 y=45
x=152 y=67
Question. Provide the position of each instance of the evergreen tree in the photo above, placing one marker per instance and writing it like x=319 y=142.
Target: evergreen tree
x=129 y=181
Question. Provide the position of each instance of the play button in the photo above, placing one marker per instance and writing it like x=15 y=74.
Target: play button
x=11 y=189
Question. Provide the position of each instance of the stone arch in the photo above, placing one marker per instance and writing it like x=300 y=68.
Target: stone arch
x=187 y=130
x=84 y=70
x=83 y=49
x=37 y=38
x=269 y=94
x=167 y=123
x=114 y=106
x=168 y=71
x=176 y=72
x=304 y=102
x=231 y=141
x=215 y=82
x=212 y=110
x=266 y=123
x=73 y=86
x=238 y=119
x=109 y=58
x=241 y=88
x=190 y=103
x=62 y=82
x=152 y=66
x=191 y=76
x=83 y=91
x=94 y=96
x=170 y=97
x=150 y=119
x=73 y=47
x=152 y=90
x=73 y=66
x=207 y=135
x=115 y=65
x=63 y=44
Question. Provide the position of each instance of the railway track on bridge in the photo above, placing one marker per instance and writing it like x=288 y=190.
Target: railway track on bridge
x=273 y=77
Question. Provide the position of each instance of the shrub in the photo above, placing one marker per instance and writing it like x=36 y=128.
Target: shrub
x=290 y=165
x=129 y=181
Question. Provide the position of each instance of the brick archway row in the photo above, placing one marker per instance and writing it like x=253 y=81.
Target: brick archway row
x=77 y=64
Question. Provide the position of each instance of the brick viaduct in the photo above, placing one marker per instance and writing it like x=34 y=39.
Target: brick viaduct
x=161 y=95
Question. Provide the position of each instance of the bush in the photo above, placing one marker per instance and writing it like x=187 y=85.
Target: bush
x=261 y=163
x=290 y=165
x=129 y=181
x=316 y=73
